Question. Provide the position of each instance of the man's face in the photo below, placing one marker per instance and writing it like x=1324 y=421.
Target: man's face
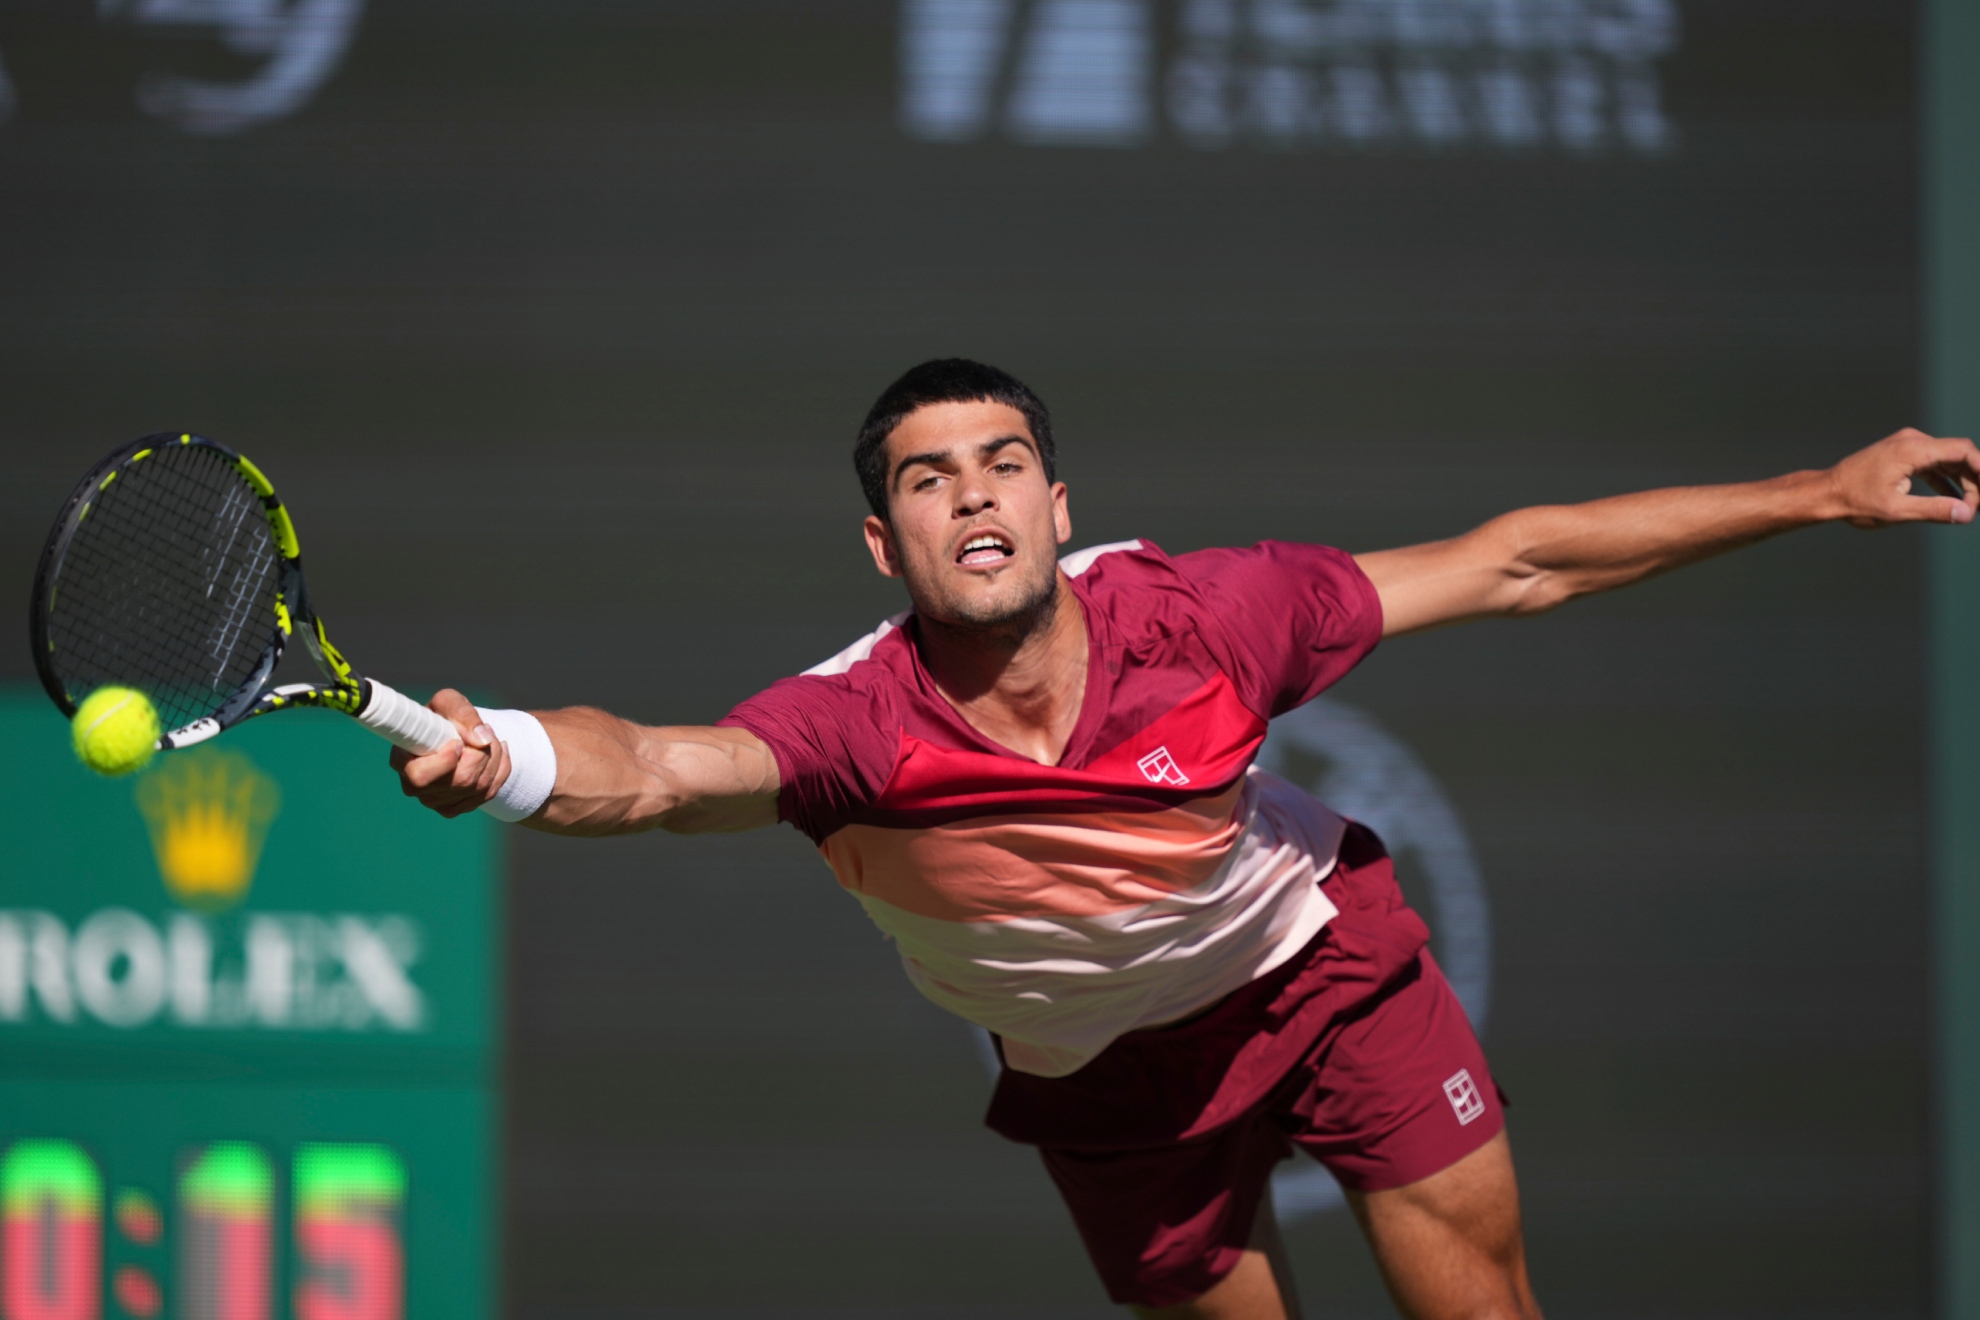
x=974 y=528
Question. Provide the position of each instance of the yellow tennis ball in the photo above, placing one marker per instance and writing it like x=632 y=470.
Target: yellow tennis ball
x=116 y=730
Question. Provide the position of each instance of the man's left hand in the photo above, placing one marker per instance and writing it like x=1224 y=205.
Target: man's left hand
x=1873 y=485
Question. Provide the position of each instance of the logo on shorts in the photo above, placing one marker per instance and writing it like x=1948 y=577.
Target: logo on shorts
x=1462 y=1092
x=1161 y=768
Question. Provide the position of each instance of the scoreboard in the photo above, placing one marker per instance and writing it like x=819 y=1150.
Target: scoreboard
x=247 y=1036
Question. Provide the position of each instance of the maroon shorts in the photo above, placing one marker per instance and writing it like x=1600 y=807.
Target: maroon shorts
x=1355 y=1051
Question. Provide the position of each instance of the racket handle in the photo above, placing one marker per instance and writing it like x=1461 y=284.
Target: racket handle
x=403 y=721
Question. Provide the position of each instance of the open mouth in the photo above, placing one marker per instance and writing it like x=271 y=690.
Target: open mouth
x=984 y=548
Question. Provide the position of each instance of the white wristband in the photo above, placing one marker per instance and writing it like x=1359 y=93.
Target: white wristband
x=532 y=764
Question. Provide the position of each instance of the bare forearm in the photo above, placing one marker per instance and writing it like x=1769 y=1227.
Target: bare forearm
x=611 y=776
x=1533 y=559
x=617 y=777
x=1566 y=551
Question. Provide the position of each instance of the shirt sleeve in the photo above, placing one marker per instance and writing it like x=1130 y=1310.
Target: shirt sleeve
x=1294 y=618
x=835 y=741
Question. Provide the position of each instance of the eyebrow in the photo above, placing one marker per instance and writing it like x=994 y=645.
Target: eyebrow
x=935 y=457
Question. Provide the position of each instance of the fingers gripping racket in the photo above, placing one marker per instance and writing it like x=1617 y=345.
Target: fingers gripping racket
x=174 y=570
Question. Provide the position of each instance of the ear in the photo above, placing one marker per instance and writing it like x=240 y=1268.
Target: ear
x=880 y=542
x=1061 y=515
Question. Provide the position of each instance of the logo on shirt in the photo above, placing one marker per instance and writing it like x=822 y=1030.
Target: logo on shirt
x=1463 y=1095
x=1161 y=768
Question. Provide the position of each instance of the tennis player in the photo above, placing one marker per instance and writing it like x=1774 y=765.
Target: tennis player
x=1039 y=783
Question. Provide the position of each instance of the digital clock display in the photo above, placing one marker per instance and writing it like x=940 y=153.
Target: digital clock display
x=345 y=1234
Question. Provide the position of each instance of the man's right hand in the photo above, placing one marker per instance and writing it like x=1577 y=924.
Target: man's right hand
x=462 y=775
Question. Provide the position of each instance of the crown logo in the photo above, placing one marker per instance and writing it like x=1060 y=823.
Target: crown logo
x=208 y=812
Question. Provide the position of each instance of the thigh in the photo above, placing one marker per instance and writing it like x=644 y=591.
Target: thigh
x=1449 y=1246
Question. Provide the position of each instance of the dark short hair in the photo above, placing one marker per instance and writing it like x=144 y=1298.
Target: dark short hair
x=943 y=380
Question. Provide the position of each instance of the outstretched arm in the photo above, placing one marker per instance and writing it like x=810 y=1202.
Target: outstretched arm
x=1532 y=560
x=613 y=776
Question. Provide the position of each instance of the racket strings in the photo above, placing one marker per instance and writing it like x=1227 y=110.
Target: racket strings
x=168 y=585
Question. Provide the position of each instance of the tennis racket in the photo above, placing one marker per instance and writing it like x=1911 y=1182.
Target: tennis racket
x=174 y=570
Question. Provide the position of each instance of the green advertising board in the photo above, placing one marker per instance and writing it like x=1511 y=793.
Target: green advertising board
x=248 y=1033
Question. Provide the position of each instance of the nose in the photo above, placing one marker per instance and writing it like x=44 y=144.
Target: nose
x=973 y=496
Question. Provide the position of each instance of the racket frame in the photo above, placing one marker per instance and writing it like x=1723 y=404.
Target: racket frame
x=343 y=689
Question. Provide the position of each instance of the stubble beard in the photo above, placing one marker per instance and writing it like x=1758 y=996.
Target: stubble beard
x=1007 y=623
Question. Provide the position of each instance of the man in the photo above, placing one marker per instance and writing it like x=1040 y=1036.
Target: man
x=1039 y=784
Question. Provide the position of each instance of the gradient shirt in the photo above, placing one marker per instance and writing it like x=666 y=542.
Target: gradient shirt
x=1149 y=873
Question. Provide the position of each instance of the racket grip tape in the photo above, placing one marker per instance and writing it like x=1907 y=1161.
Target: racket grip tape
x=402 y=721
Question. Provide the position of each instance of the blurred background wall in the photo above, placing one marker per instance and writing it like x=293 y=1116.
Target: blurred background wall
x=554 y=323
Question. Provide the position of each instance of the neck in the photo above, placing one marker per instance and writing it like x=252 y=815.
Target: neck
x=1019 y=684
